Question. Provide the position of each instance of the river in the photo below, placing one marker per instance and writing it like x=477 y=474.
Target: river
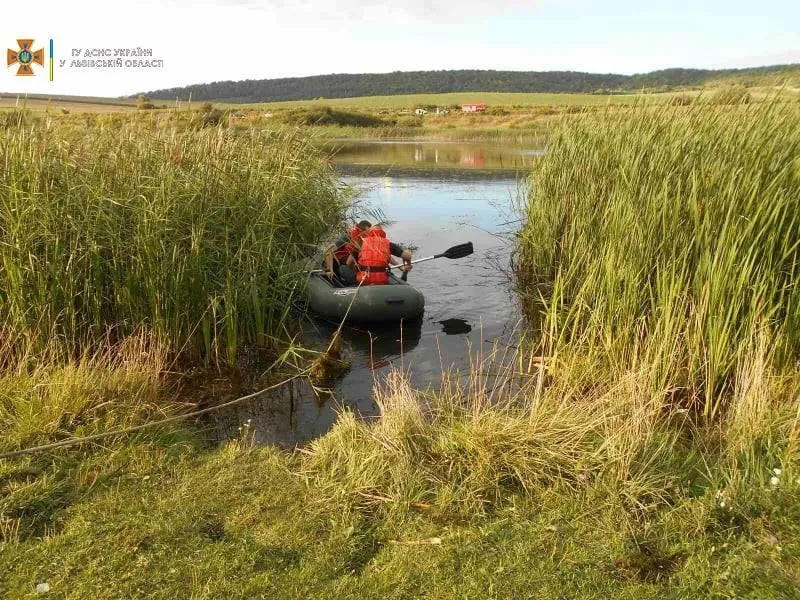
x=433 y=196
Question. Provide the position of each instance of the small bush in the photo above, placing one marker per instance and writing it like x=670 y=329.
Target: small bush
x=210 y=116
x=325 y=115
x=143 y=103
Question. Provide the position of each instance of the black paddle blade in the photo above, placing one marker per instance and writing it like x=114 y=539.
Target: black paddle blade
x=459 y=251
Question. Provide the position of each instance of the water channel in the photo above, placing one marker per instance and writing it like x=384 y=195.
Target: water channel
x=433 y=196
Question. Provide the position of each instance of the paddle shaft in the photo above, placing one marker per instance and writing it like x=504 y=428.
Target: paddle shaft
x=419 y=260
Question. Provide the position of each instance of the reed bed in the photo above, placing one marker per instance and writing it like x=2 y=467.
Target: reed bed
x=668 y=236
x=506 y=431
x=113 y=225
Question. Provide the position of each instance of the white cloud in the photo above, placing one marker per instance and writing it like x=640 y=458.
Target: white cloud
x=373 y=10
x=758 y=60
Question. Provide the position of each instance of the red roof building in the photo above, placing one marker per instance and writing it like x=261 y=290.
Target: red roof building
x=473 y=107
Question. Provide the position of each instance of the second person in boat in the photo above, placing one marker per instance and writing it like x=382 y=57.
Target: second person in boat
x=373 y=259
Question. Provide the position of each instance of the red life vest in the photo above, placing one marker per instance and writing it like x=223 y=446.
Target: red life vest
x=342 y=252
x=373 y=259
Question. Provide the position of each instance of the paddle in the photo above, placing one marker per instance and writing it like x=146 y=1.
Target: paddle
x=459 y=251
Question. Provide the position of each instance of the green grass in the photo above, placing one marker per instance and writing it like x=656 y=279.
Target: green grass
x=460 y=500
x=669 y=239
x=643 y=442
x=156 y=222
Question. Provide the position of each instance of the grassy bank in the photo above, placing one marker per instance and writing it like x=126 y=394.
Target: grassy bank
x=551 y=493
x=645 y=443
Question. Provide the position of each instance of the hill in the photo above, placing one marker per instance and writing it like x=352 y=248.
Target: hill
x=344 y=85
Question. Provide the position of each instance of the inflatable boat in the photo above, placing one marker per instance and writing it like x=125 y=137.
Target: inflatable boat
x=369 y=303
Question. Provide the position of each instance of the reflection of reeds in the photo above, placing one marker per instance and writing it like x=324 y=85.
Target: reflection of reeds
x=668 y=238
x=126 y=222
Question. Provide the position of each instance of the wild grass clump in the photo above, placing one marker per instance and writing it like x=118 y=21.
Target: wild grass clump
x=42 y=402
x=669 y=237
x=137 y=224
x=507 y=432
x=730 y=94
x=325 y=115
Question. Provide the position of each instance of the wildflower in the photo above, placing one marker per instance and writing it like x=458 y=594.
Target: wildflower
x=722 y=504
x=774 y=480
x=777 y=472
x=42 y=588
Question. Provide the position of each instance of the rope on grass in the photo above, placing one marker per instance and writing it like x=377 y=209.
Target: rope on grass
x=173 y=419
x=127 y=430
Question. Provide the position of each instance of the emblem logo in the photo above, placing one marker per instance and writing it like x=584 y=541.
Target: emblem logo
x=25 y=57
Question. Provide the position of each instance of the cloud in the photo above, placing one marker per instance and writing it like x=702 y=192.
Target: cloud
x=759 y=60
x=433 y=11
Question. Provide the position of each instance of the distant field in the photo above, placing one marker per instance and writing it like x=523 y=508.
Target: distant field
x=493 y=99
x=501 y=99
x=71 y=103
x=490 y=98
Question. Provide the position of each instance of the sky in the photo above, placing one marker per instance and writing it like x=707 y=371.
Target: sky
x=213 y=40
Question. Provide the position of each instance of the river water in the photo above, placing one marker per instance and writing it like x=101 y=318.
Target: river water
x=433 y=196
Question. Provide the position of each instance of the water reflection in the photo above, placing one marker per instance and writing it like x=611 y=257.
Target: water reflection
x=468 y=302
x=420 y=154
x=372 y=346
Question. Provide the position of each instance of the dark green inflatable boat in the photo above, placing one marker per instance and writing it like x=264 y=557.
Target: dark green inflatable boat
x=371 y=303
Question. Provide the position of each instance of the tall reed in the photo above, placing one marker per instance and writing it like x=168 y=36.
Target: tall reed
x=114 y=225
x=670 y=236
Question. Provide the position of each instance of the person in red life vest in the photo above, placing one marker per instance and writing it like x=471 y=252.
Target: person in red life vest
x=372 y=260
x=335 y=261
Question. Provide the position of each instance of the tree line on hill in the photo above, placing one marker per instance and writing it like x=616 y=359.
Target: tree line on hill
x=433 y=82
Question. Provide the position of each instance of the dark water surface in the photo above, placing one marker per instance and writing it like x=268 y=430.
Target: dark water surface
x=468 y=301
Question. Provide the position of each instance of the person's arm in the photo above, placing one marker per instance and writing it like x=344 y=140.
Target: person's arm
x=398 y=251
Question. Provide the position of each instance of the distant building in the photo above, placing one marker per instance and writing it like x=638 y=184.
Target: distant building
x=473 y=107
x=441 y=111
x=420 y=111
